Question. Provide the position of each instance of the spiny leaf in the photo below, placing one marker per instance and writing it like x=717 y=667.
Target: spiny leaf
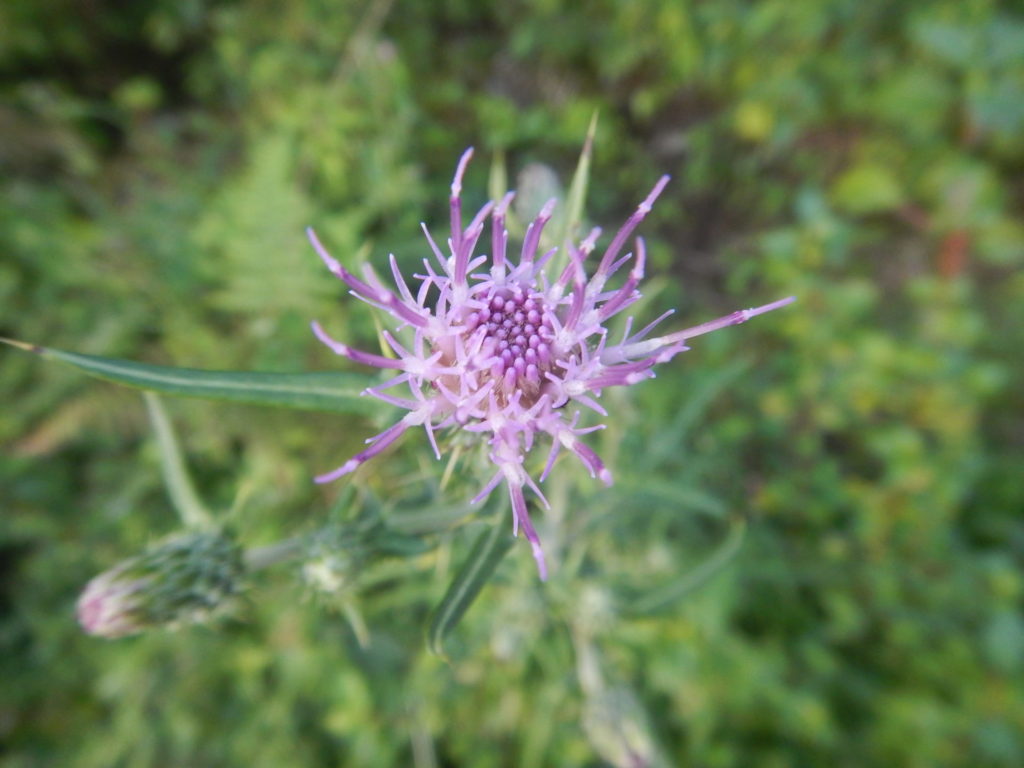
x=487 y=553
x=334 y=392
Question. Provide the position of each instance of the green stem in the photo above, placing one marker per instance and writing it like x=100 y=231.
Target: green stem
x=259 y=558
x=183 y=494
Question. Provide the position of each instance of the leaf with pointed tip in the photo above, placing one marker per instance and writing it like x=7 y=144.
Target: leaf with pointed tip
x=576 y=198
x=497 y=181
x=474 y=574
x=332 y=392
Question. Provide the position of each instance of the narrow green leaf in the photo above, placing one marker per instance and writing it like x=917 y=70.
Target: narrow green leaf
x=179 y=485
x=576 y=198
x=487 y=553
x=497 y=182
x=668 y=593
x=497 y=186
x=333 y=392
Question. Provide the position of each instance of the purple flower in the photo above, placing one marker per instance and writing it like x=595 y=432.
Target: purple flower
x=502 y=348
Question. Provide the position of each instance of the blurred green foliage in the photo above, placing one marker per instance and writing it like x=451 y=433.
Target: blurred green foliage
x=158 y=162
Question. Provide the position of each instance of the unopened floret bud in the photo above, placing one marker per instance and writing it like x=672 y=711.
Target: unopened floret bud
x=181 y=580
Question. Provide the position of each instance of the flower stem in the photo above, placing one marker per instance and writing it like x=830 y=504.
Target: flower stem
x=259 y=558
x=179 y=485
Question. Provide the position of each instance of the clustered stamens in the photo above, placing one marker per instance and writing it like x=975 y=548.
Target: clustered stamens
x=517 y=340
x=502 y=353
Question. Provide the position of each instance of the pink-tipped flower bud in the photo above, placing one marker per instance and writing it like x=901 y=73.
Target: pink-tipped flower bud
x=182 y=580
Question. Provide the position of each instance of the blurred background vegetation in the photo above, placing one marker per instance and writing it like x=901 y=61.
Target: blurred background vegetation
x=158 y=162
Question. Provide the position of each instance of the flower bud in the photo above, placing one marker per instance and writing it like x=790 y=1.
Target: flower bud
x=336 y=554
x=181 y=580
x=329 y=574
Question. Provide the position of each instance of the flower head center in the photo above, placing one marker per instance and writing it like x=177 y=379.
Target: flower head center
x=516 y=348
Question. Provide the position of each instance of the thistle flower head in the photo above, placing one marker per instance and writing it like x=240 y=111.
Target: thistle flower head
x=503 y=348
x=182 y=580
